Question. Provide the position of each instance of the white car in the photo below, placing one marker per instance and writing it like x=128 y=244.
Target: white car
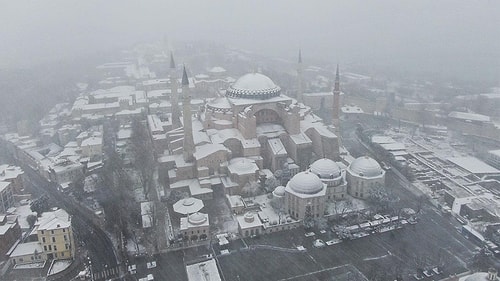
x=318 y=243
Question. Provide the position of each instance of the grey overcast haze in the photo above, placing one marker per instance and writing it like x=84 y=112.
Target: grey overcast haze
x=449 y=36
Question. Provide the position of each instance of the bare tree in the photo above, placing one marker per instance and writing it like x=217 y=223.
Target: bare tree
x=143 y=155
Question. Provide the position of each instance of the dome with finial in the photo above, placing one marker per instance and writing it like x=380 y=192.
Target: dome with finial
x=305 y=183
x=253 y=86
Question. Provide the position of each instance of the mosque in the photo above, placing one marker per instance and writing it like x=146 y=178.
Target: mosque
x=230 y=141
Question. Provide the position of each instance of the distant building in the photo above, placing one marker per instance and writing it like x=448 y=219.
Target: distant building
x=14 y=175
x=6 y=196
x=10 y=233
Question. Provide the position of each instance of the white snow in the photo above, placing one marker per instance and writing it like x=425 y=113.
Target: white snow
x=58 y=266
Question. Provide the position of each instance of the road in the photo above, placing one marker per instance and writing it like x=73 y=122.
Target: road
x=99 y=246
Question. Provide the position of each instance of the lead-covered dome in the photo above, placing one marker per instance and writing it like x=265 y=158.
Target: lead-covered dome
x=197 y=218
x=325 y=169
x=365 y=167
x=253 y=86
x=219 y=104
x=279 y=191
x=306 y=183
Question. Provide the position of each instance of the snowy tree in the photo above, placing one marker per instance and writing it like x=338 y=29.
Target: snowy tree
x=250 y=189
x=142 y=149
x=271 y=183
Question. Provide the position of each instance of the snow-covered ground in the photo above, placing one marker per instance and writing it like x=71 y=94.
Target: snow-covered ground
x=133 y=248
x=30 y=265
x=58 y=266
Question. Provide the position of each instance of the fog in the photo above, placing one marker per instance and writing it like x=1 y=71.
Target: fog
x=450 y=36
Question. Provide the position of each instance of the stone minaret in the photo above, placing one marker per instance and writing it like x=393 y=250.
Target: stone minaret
x=300 y=93
x=187 y=119
x=336 y=102
x=176 y=113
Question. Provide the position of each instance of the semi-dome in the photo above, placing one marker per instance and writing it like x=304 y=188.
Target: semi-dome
x=219 y=104
x=306 y=183
x=325 y=168
x=253 y=86
x=279 y=191
x=365 y=167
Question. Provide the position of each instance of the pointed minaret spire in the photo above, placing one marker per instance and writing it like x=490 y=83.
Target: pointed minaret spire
x=172 y=62
x=300 y=97
x=174 y=90
x=336 y=103
x=185 y=80
x=337 y=80
x=187 y=119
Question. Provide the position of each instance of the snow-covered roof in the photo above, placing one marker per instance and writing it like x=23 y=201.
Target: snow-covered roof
x=92 y=141
x=205 y=150
x=495 y=152
x=53 y=220
x=194 y=220
x=473 y=165
x=393 y=146
x=365 y=166
x=325 y=168
x=469 y=116
x=300 y=138
x=24 y=249
x=241 y=166
x=206 y=270
x=277 y=146
x=217 y=69
x=249 y=220
x=305 y=183
x=349 y=109
x=382 y=139
x=4 y=185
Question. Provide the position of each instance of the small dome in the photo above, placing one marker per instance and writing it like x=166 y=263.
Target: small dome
x=188 y=201
x=325 y=168
x=249 y=217
x=253 y=86
x=197 y=218
x=242 y=165
x=365 y=167
x=279 y=191
x=306 y=183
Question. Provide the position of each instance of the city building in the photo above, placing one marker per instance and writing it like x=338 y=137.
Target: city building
x=6 y=196
x=10 y=233
x=54 y=232
x=195 y=226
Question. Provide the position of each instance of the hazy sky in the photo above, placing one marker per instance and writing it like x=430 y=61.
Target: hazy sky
x=445 y=33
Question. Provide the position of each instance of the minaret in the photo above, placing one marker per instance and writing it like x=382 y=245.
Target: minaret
x=300 y=96
x=336 y=102
x=187 y=119
x=176 y=114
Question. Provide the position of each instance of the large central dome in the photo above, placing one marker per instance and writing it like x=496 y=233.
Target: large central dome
x=253 y=86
